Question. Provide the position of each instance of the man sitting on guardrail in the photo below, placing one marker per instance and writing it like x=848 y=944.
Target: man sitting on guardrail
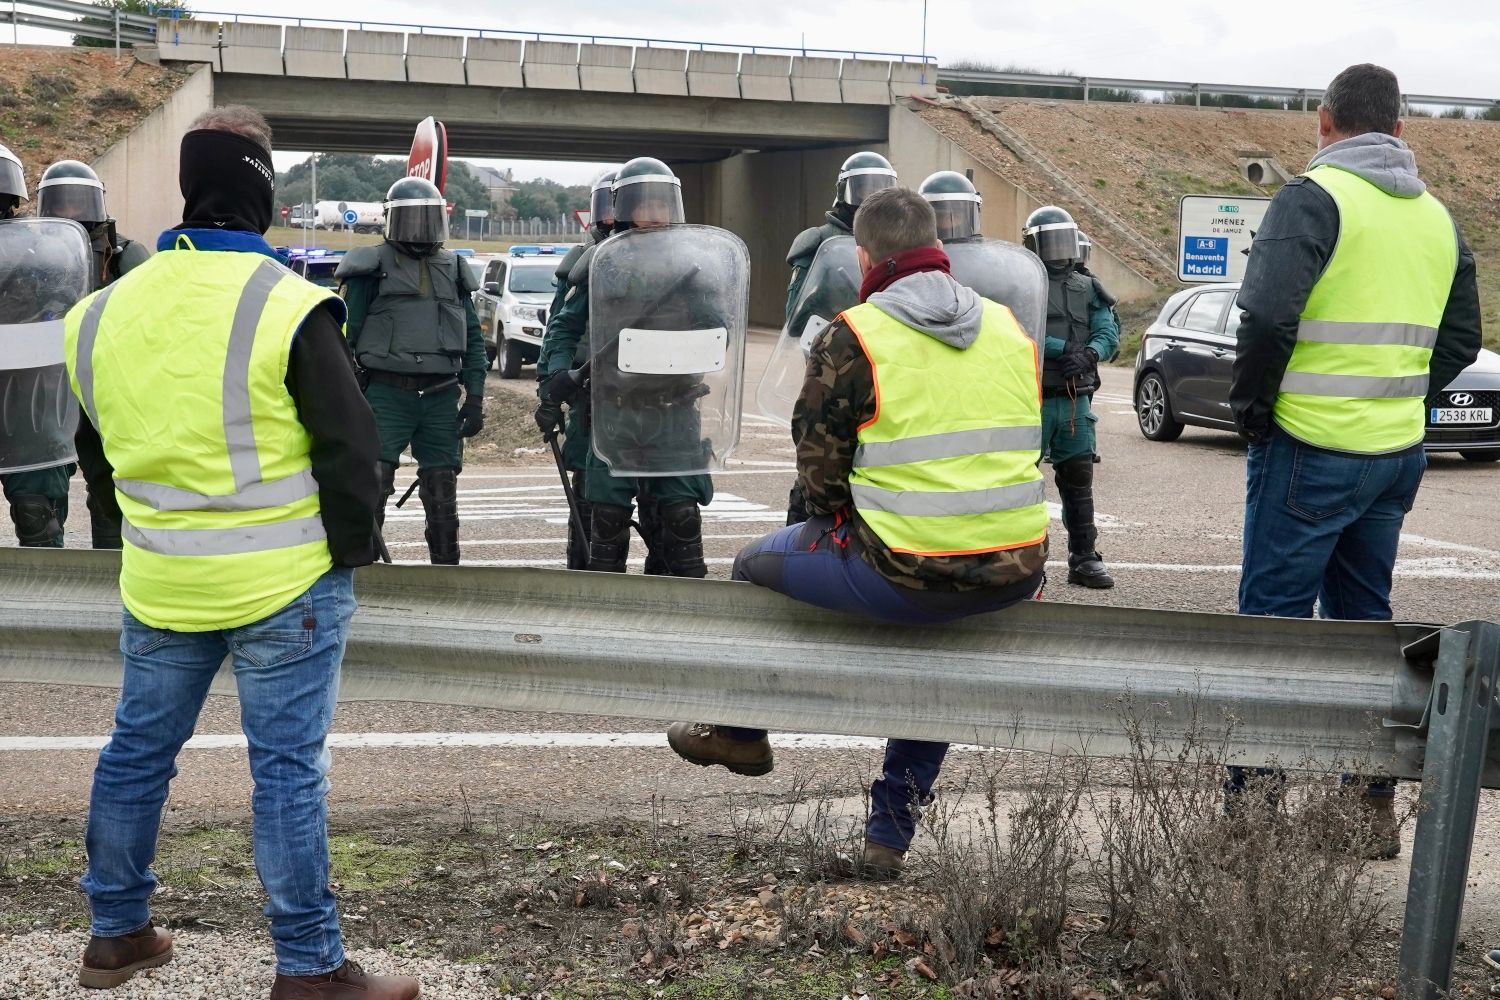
x=918 y=434
x=243 y=457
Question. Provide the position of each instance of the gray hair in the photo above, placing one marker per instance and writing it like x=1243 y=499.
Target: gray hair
x=1364 y=98
x=892 y=220
x=237 y=119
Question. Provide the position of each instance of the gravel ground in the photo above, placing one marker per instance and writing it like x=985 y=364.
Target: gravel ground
x=206 y=966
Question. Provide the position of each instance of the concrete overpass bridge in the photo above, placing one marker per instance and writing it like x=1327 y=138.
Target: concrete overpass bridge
x=756 y=136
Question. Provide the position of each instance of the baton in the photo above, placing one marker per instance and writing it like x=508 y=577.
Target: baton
x=380 y=549
x=575 y=519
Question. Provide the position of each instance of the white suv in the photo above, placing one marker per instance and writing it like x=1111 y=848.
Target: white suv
x=512 y=302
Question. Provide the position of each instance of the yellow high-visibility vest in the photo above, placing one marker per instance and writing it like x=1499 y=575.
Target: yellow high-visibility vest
x=1357 y=378
x=948 y=464
x=181 y=365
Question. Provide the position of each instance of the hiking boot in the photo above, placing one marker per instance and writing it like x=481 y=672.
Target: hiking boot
x=705 y=745
x=877 y=863
x=347 y=982
x=109 y=961
x=1381 y=840
x=1492 y=959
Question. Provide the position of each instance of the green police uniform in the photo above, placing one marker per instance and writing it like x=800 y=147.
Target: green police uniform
x=1079 y=313
x=412 y=327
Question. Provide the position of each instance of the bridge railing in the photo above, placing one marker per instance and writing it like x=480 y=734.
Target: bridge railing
x=318 y=48
x=1410 y=701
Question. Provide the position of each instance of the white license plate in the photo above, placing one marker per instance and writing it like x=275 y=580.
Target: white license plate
x=1463 y=415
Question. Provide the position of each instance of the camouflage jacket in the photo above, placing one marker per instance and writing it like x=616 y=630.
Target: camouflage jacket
x=838 y=395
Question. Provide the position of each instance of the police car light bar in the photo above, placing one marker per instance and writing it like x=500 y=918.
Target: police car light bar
x=532 y=250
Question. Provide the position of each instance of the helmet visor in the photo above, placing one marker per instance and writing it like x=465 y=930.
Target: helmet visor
x=602 y=206
x=957 y=215
x=1085 y=247
x=858 y=184
x=416 y=220
x=1054 y=241
x=75 y=198
x=649 y=200
x=12 y=179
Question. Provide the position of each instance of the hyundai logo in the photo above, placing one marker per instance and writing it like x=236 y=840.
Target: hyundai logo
x=1461 y=398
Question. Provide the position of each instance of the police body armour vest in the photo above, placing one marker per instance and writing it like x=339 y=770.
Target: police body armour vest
x=181 y=365
x=1069 y=296
x=416 y=327
x=931 y=478
x=1357 y=378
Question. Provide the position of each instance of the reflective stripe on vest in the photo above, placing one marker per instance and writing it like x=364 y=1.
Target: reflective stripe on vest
x=1357 y=377
x=182 y=367
x=931 y=478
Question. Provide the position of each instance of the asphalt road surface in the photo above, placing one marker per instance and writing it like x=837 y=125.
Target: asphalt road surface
x=1170 y=520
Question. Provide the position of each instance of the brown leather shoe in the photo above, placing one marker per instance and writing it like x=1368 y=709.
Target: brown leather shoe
x=109 y=961
x=704 y=745
x=877 y=863
x=347 y=982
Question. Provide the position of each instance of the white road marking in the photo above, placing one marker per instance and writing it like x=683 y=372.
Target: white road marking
x=1415 y=569
x=1435 y=543
x=505 y=741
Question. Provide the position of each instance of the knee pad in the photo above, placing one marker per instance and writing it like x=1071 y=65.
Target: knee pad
x=1077 y=474
x=36 y=521
x=438 y=489
x=680 y=539
x=609 y=537
x=387 y=472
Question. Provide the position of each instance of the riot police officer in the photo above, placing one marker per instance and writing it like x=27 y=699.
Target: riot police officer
x=71 y=190
x=415 y=335
x=1081 y=329
x=861 y=175
x=646 y=195
x=38 y=497
x=956 y=203
x=575 y=436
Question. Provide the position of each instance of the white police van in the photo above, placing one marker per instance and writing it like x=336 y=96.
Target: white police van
x=514 y=296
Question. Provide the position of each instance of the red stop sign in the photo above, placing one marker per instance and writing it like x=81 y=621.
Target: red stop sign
x=285 y=211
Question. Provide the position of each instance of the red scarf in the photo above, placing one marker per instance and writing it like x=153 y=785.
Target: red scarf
x=901 y=265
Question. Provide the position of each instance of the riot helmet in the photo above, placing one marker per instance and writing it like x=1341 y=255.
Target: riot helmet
x=955 y=202
x=71 y=190
x=12 y=182
x=416 y=215
x=861 y=176
x=1052 y=235
x=1085 y=247
x=647 y=193
x=602 y=203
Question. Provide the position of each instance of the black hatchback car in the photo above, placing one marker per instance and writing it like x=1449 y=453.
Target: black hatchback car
x=1185 y=364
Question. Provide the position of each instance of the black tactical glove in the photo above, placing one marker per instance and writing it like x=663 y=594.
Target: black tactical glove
x=362 y=376
x=1078 y=361
x=559 y=387
x=549 y=417
x=471 y=416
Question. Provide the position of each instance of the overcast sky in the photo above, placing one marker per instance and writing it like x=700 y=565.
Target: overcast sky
x=1445 y=47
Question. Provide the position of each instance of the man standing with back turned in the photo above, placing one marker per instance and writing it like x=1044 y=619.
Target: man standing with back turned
x=244 y=461
x=1359 y=307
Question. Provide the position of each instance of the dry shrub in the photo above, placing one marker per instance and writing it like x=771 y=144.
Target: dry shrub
x=50 y=87
x=1006 y=888
x=111 y=100
x=1269 y=903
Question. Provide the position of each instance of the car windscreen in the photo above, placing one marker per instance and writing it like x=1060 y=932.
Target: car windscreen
x=320 y=272
x=533 y=279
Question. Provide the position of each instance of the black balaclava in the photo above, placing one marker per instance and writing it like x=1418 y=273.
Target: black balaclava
x=8 y=205
x=227 y=182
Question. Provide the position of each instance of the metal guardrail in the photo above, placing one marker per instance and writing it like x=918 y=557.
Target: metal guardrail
x=1089 y=83
x=1039 y=676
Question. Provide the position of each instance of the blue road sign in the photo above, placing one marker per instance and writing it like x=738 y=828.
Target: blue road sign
x=350 y=216
x=1205 y=256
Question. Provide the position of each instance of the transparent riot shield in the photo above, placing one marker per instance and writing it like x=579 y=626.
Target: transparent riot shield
x=668 y=310
x=45 y=267
x=1006 y=273
x=831 y=286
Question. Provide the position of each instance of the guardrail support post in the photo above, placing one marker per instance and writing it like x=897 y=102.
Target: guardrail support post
x=1085 y=90
x=1463 y=697
x=1197 y=97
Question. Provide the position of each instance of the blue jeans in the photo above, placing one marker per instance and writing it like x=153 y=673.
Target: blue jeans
x=286 y=668
x=813 y=562
x=1321 y=526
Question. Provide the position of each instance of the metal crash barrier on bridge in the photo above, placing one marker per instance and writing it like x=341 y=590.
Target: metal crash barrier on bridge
x=1409 y=700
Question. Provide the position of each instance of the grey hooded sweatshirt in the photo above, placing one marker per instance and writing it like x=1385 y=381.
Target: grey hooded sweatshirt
x=1293 y=247
x=935 y=304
